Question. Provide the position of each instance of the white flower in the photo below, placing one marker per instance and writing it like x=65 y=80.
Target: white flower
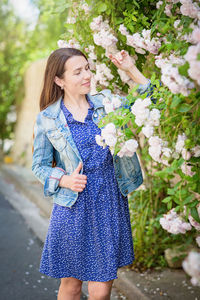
x=62 y=44
x=99 y=140
x=166 y=151
x=71 y=20
x=185 y=154
x=108 y=129
x=109 y=108
x=196 y=151
x=180 y=142
x=158 y=4
x=173 y=223
x=146 y=102
x=110 y=140
x=131 y=145
x=123 y=29
x=198 y=240
x=128 y=148
x=155 y=152
x=103 y=74
x=148 y=130
x=154 y=116
x=155 y=141
x=191 y=265
x=116 y=102
x=186 y=169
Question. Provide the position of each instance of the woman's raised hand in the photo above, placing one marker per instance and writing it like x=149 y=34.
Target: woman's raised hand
x=76 y=182
x=122 y=60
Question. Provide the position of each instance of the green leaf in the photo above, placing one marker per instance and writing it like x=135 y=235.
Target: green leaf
x=153 y=77
x=170 y=191
x=195 y=214
x=102 y=7
x=175 y=101
x=179 y=162
x=169 y=205
x=193 y=203
x=184 y=108
x=183 y=70
x=177 y=208
x=128 y=132
x=177 y=201
x=167 y=199
x=188 y=199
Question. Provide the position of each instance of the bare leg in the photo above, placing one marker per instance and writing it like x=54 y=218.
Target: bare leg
x=70 y=289
x=99 y=290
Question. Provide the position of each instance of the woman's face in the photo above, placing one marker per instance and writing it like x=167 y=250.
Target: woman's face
x=77 y=76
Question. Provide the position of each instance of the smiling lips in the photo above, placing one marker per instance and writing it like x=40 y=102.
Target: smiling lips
x=87 y=83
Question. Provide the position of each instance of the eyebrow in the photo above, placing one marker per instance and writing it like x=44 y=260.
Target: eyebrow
x=81 y=67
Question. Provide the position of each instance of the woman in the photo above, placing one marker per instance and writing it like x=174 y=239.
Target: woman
x=89 y=235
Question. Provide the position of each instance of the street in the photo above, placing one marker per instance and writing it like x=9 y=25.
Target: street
x=20 y=252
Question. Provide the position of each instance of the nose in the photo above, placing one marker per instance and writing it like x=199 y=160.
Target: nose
x=87 y=74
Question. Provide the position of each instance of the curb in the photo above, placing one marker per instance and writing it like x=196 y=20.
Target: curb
x=25 y=181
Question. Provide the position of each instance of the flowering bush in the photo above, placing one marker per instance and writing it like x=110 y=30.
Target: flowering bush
x=163 y=39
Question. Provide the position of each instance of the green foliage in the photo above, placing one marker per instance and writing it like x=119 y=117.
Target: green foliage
x=12 y=39
x=19 y=47
x=166 y=187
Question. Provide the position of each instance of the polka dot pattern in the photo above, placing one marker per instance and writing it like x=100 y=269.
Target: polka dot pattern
x=93 y=238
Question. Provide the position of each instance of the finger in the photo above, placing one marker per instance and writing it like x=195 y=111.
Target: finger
x=119 y=56
x=77 y=170
x=79 y=186
x=123 y=52
x=116 y=62
x=78 y=190
x=82 y=182
x=81 y=176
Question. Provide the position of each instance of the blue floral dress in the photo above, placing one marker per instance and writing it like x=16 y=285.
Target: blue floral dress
x=93 y=238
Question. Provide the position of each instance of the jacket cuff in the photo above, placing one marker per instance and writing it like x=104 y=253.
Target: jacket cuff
x=51 y=185
x=143 y=88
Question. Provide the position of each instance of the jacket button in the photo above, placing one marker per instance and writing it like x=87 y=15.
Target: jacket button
x=126 y=191
x=95 y=115
x=120 y=176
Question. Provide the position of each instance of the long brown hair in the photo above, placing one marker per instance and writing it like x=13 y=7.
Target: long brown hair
x=51 y=92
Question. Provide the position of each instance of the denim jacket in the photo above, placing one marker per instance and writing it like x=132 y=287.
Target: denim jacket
x=52 y=138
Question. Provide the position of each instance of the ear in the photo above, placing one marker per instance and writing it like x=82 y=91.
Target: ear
x=58 y=81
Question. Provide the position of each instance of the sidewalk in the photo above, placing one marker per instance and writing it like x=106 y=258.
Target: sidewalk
x=171 y=284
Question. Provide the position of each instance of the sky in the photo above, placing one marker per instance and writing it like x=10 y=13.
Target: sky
x=26 y=10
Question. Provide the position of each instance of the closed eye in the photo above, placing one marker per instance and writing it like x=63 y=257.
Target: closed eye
x=87 y=68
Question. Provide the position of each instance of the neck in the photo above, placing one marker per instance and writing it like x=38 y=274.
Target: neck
x=78 y=101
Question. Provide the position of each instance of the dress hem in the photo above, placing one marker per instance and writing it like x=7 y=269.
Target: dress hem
x=77 y=277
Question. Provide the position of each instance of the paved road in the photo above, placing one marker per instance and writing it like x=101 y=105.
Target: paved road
x=20 y=252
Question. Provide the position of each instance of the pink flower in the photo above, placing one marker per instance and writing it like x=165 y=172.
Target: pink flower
x=192 y=52
x=123 y=29
x=196 y=35
x=194 y=71
x=186 y=169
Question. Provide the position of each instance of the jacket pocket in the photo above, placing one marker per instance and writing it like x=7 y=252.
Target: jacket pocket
x=56 y=138
x=127 y=167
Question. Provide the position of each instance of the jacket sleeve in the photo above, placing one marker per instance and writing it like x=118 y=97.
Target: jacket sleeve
x=42 y=161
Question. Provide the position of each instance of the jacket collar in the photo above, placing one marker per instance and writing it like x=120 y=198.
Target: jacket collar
x=53 y=110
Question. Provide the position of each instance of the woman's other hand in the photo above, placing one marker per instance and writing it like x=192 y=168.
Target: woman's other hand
x=122 y=60
x=76 y=182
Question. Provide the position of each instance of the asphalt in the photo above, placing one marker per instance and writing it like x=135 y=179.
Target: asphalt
x=19 y=257
x=167 y=283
